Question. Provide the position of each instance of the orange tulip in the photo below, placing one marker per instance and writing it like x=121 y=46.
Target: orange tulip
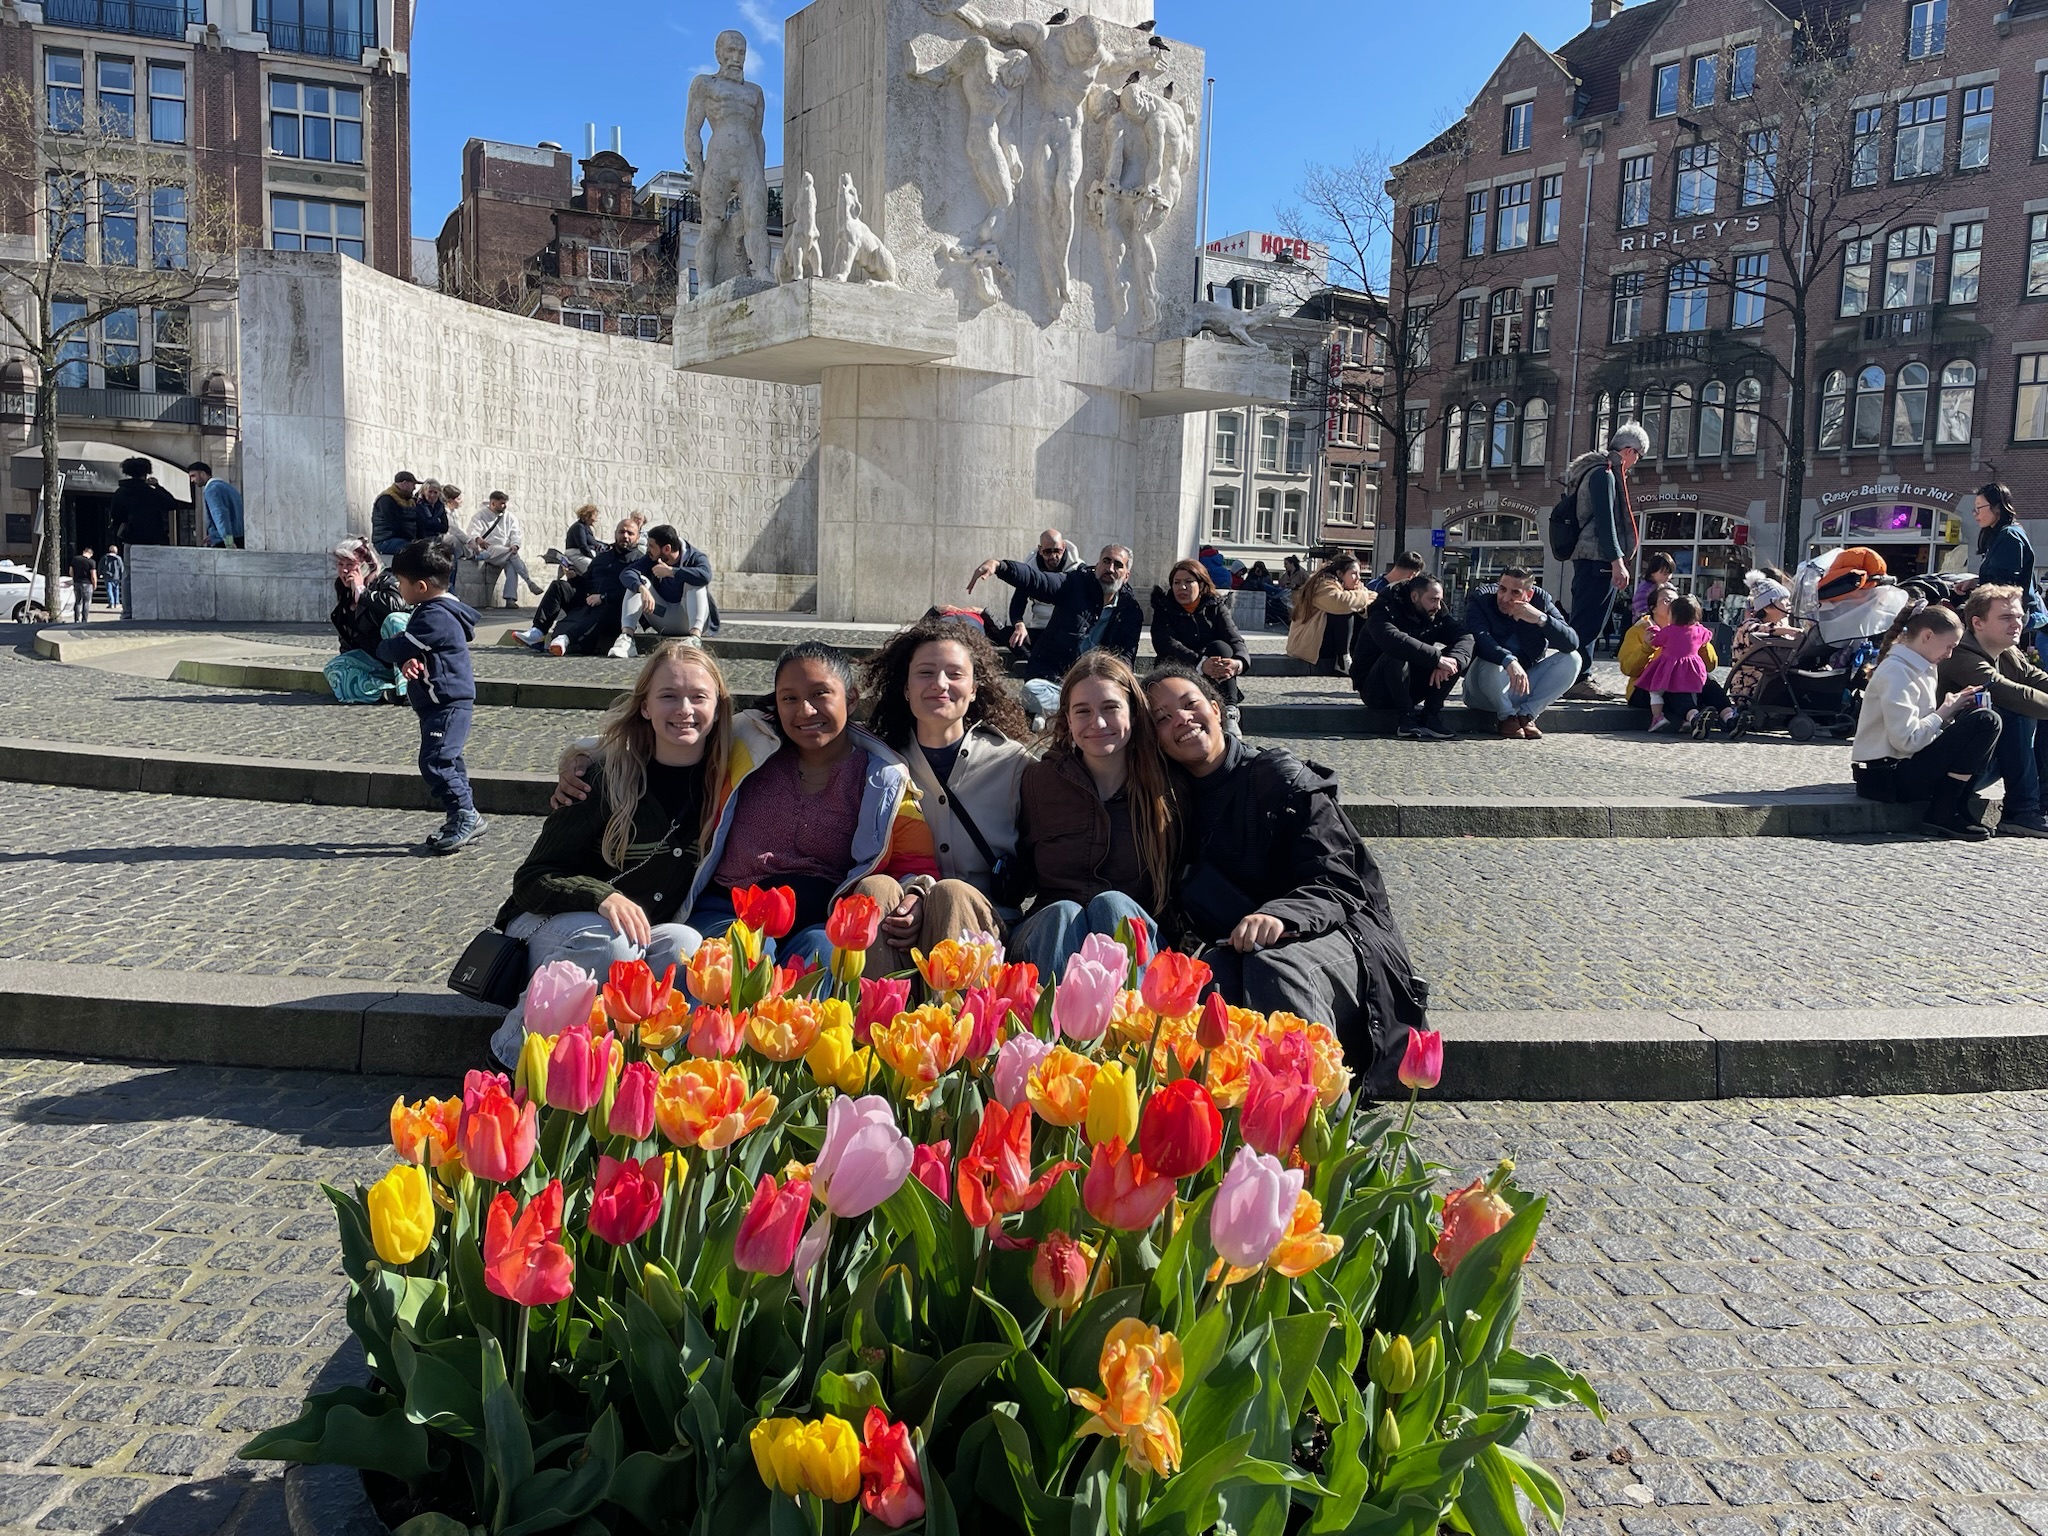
x=854 y=922
x=1306 y=1246
x=1058 y=1086
x=425 y=1133
x=954 y=965
x=923 y=1046
x=716 y=1031
x=1121 y=1192
x=995 y=1172
x=1141 y=1371
x=497 y=1133
x=1471 y=1215
x=784 y=1028
x=634 y=992
x=524 y=1261
x=1173 y=984
x=705 y=1104
x=1326 y=1064
x=709 y=973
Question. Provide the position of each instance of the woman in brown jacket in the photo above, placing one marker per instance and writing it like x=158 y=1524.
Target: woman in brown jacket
x=1095 y=825
x=1325 y=608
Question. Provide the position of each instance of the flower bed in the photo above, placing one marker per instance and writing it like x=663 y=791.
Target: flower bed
x=783 y=1252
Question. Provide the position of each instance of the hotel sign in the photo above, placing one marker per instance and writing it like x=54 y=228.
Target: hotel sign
x=1706 y=229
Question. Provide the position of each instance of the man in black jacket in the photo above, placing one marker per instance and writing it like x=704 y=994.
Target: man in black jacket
x=1092 y=609
x=1411 y=655
x=1524 y=654
x=395 y=519
x=584 y=610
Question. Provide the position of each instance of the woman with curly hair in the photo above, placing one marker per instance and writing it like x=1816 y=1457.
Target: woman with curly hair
x=941 y=703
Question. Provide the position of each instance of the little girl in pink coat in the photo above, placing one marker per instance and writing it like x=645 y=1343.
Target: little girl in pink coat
x=1677 y=671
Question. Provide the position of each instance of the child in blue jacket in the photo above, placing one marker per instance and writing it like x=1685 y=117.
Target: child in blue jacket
x=432 y=655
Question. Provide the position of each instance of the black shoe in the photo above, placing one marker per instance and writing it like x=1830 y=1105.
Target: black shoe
x=2035 y=826
x=466 y=829
x=1948 y=815
x=1423 y=728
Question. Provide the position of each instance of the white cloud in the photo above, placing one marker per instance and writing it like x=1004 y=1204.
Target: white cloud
x=762 y=23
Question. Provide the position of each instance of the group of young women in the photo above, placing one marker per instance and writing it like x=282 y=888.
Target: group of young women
x=1141 y=810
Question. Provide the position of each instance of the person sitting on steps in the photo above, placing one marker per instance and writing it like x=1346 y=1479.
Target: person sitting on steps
x=1410 y=655
x=1525 y=655
x=1929 y=748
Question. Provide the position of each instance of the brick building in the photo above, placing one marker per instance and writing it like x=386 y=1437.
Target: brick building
x=297 y=110
x=1607 y=230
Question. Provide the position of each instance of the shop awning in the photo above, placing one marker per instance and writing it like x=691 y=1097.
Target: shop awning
x=95 y=468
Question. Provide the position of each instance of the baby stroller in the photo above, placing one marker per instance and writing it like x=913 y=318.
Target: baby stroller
x=1846 y=609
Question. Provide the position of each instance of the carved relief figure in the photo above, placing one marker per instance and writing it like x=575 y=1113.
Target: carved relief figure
x=1155 y=123
x=731 y=168
x=859 y=248
x=803 y=247
x=1105 y=143
x=989 y=78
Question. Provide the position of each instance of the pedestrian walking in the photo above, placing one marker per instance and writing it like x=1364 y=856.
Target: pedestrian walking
x=432 y=655
x=114 y=571
x=84 y=577
x=220 y=506
x=1602 y=542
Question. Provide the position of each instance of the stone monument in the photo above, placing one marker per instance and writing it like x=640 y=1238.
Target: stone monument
x=730 y=172
x=988 y=373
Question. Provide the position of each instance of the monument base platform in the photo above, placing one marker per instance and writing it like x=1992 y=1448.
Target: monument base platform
x=1203 y=373
x=792 y=332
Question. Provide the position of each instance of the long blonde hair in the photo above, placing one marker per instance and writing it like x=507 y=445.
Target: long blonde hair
x=1153 y=821
x=625 y=745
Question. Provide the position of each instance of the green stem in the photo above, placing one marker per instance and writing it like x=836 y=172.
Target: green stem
x=522 y=1327
x=1112 y=1513
x=732 y=1350
x=1407 y=1119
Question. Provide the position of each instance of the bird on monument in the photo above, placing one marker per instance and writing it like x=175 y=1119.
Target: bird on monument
x=1058 y=18
x=1148 y=24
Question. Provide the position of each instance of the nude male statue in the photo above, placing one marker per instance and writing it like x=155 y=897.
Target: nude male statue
x=732 y=166
x=1157 y=123
x=988 y=77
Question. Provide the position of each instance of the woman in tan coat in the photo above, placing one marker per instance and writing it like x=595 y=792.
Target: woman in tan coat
x=1325 y=608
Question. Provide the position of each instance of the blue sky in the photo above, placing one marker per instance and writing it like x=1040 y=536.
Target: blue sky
x=1297 y=80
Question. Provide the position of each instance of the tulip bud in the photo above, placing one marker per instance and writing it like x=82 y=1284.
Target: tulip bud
x=1214 y=1027
x=1397 y=1366
x=1471 y=1336
x=1375 y=1357
x=662 y=1294
x=1388 y=1440
x=530 y=1077
x=1059 y=1272
x=1317 y=1137
x=1428 y=1358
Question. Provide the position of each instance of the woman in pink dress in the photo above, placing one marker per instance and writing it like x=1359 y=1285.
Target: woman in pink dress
x=1677 y=672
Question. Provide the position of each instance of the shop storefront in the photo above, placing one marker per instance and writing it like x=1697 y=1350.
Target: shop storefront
x=1479 y=545
x=1710 y=548
x=1915 y=527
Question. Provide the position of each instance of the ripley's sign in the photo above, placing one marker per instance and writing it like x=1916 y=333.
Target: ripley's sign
x=1889 y=488
x=1705 y=229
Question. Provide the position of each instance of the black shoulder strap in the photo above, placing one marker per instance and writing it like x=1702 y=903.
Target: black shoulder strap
x=987 y=853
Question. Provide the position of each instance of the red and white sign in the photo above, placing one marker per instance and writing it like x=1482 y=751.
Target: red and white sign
x=1257 y=245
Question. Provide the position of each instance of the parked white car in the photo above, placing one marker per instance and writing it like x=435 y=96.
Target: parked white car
x=19 y=587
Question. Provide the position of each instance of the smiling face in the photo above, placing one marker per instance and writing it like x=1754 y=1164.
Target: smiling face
x=1099 y=718
x=941 y=684
x=811 y=702
x=1190 y=726
x=682 y=706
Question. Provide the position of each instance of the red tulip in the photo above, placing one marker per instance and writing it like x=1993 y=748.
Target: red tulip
x=1138 y=934
x=854 y=922
x=881 y=999
x=1181 y=1129
x=932 y=1166
x=771 y=912
x=1173 y=984
x=789 y=977
x=1059 y=1272
x=891 y=1486
x=632 y=993
x=1423 y=1064
x=1016 y=985
x=496 y=1133
x=767 y=1238
x=632 y=1114
x=1277 y=1099
x=995 y=1174
x=1121 y=1191
x=625 y=1198
x=1214 y=1028
x=524 y=1261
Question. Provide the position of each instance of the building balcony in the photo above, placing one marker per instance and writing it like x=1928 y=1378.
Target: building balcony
x=132 y=405
x=321 y=42
x=161 y=20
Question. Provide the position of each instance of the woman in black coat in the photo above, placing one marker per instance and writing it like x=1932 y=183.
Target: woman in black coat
x=1192 y=627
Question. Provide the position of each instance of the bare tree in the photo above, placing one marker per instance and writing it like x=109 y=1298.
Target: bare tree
x=99 y=222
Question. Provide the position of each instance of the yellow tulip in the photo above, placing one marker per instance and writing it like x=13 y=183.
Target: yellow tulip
x=955 y=965
x=770 y=1440
x=784 y=1028
x=1112 y=1105
x=401 y=1214
x=1058 y=1086
x=831 y=1458
x=837 y=1061
x=923 y=1045
x=530 y=1077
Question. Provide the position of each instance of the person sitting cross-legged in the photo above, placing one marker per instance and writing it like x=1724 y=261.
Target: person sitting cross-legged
x=1932 y=748
x=1991 y=656
x=671 y=595
x=1525 y=654
x=1411 y=653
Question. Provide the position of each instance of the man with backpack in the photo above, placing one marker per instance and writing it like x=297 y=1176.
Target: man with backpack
x=1594 y=528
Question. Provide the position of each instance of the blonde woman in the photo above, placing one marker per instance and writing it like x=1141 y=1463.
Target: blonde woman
x=610 y=874
x=1325 y=608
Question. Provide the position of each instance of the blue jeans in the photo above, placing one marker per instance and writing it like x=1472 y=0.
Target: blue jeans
x=113 y=591
x=1593 y=595
x=444 y=730
x=591 y=942
x=1052 y=934
x=1486 y=685
x=713 y=914
x=2022 y=761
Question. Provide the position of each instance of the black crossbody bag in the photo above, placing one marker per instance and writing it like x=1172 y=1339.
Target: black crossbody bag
x=492 y=970
x=1006 y=882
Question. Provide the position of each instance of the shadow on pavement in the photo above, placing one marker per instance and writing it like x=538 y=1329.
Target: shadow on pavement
x=180 y=854
x=319 y=1109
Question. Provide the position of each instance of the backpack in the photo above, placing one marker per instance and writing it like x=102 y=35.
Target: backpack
x=1564 y=523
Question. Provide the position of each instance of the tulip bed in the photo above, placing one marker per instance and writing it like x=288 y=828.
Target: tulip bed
x=783 y=1251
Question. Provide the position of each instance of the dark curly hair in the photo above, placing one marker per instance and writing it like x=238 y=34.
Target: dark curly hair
x=885 y=677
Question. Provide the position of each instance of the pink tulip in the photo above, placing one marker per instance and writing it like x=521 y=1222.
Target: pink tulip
x=579 y=1069
x=865 y=1158
x=767 y=1238
x=1086 y=997
x=1423 y=1064
x=1106 y=952
x=632 y=1113
x=1279 y=1094
x=1253 y=1208
x=1020 y=1053
x=625 y=1198
x=881 y=999
x=559 y=994
x=932 y=1166
x=988 y=1010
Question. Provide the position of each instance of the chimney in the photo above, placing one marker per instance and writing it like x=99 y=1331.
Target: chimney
x=618 y=140
x=1605 y=11
x=589 y=140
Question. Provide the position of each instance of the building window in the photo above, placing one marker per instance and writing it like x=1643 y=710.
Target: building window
x=1699 y=177
x=1228 y=425
x=1909 y=407
x=1471 y=327
x=1475 y=435
x=1920 y=142
x=1511 y=232
x=1501 y=451
x=1628 y=307
x=1475 y=223
x=1651 y=419
x=583 y=319
x=1297 y=447
x=167 y=103
x=1974 y=153
x=1965 y=258
x=1713 y=418
x=66 y=196
x=1416 y=327
x=171 y=349
x=1759 y=167
x=115 y=79
x=1293 y=516
x=1752 y=272
x=1265 y=513
x=64 y=91
x=1742 y=73
x=1246 y=293
x=1865 y=145
x=1706 y=79
x=1637 y=175
x=1927 y=29
x=1956 y=414
x=1415 y=423
x=1664 y=91
x=1603 y=419
x=1223 y=514
x=1549 y=210
x=1347 y=427
x=1269 y=444
x=1454 y=436
x=2037 y=257
x=311 y=121
x=1521 y=126
x=1685 y=308
x=1678 y=435
x=1504 y=322
x=1422 y=234
x=1535 y=434
x=610 y=265
x=2030 y=400
x=2041 y=120
x=74 y=352
x=1297 y=376
x=1867 y=425
x=1909 y=267
x=1749 y=410
x=121 y=348
x=1856 y=256
x=1343 y=508
x=1834 y=400
x=1541 y=302
x=334 y=29
x=309 y=224
x=170 y=228
x=118 y=223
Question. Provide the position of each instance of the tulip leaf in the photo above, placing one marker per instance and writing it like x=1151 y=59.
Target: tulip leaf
x=563 y=1495
x=432 y=1524
x=1167 y=1277
x=1537 y=1381
x=1209 y=1412
x=1488 y=1275
x=915 y=1212
x=849 y=1395
x=1300 y=1340
x=1434 y=1466
x=1040 y=1398
x=1410 y=1514
x=654 y=1374
x=437 y=1394
x=1044 y=1513
x=1535 y=1481
x=508 y=1444
x=655 y=1489
x=940 y=1518
x=1485 y=1505
x=1092 y=1494
x=1187 y=1504
x=351 y=1427
x=1200 y=1348
x=940 y=1390
x=358 y=1248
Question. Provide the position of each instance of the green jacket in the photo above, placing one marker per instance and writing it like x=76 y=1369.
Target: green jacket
x=2015 y=684
x=567 y=871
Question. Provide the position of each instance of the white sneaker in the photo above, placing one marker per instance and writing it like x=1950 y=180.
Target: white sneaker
x=531 y=637
x=621 y=648
x=559 y=646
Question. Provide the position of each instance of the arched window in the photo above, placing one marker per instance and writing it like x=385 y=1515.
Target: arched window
x=1749 y=400
x=1909 y=407
x=1678 y=434
x=1834 y=401
x=1475 y=435
x=1956 y=417
x=1713 y=418
x=1625 y=408
x=1454 y=435
x=1603 y=419
x=1652 y=419
x=1502 y=455
x=1867 y=426
x=1535 y=434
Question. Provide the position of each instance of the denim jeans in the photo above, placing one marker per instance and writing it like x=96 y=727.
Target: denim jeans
x=444 y=730
x=1486 y=686
x=1042 y=695
x=590 y=941
x=1052 y=934
x=2018 y=760
x=1593 y=595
